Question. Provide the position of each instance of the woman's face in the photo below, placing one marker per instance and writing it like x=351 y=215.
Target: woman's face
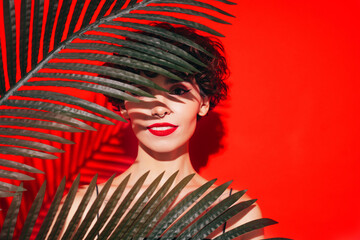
x=164 y=124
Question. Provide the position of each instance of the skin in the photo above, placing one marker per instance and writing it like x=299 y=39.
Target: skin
x=180 y=106
x=171 y=152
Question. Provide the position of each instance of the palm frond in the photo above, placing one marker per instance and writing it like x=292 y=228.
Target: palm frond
x=155 y=215
x=247 y=227
x=33 y=213
x=211 y=215
x=107 y=153
x=225 y=216
x=61 y=53
x=80 y=211
x=81 y=231
x=65 y=210
x=136 y=209
x=52 y=211
x=77 y=57
x=10 y=34
x=8 y=227
x=145 y=210
x=195 y=211
x=122 y=207
x=108 y=209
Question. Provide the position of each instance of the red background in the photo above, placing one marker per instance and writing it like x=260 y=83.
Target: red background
x=292 y=121
x=291 y=125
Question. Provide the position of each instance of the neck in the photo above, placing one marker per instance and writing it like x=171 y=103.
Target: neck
x=157 y=163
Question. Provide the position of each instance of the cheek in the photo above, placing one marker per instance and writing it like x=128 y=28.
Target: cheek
x=189 y=116
x=134 y=110
x=135 y=115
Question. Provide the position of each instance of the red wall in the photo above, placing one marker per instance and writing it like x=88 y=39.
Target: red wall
x=290 y=127
x=292 y=121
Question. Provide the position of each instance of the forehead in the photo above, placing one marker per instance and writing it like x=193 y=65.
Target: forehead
x=172 y=81
x=168 y=81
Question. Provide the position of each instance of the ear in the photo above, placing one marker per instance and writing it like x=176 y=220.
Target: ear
x=204 y=107
x=124 y=113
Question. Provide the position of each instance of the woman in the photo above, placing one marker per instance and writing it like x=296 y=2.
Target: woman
x=164 y=124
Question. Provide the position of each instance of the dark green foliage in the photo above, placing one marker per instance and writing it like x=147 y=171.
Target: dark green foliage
x=75 y=17
x=20 y=166
x=30 y=108
x=52 y=211
x=8 y=227
x=142 y=219
x=108 y=209
x=105 y=8
x=14 y=175
x=38 y=20
x=2 y=76
x=247 y=227
x=195 y=211
x=80 y=210
x=33 y=213
x=10 y=34
x=56 y=230
x=24 y=34
x=64 y=12
x=53 y=4
x=90 y=12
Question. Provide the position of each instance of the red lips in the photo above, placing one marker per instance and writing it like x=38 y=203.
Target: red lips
x=162 y=129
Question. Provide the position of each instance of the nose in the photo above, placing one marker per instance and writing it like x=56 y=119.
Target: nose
x=160 y=109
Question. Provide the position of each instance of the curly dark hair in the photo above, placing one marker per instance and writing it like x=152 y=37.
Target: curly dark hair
x=210 y=78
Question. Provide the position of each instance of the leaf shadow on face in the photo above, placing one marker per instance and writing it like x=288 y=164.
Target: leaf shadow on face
x=207 y=139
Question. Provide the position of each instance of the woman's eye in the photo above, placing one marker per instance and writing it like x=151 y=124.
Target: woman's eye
x=179 y=91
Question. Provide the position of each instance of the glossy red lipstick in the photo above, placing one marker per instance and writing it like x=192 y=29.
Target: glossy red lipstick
x=162 y=129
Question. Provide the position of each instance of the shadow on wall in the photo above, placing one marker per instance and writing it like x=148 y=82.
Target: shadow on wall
x=207 y=140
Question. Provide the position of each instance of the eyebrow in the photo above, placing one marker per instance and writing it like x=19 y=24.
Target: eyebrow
x=172 y=81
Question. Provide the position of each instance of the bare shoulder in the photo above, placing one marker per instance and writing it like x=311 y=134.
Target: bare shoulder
x=81 y=193
x=251 y=213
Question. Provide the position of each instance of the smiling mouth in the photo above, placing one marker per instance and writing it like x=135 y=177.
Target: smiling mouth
x=162 y=129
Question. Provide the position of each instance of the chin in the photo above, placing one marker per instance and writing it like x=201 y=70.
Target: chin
x=164 y=147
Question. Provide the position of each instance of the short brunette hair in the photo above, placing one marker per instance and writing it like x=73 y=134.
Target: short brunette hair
x=210 y=78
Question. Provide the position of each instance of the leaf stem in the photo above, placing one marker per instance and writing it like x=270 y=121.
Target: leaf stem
x=75 y=35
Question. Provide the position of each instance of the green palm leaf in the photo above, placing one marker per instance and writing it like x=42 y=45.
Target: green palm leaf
x=8 y=189
x=122 y=207
x=33 y=213
x=52 y=211
x=161 y=208
x=81 y=209
x=150 y=207
x=179 y=209
x=210 y=215
x=36 y=33
x=10 y=25
x=65 y=210
x=135 y=210
x=24 y=33
x=14 y=175
x=8 y=227
x=108 y=209
x=144 y=211
x=245 y=228
x=230 y=212
x=81 y=231
x=149 y=53
x=41 y=109
x=195 y=211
